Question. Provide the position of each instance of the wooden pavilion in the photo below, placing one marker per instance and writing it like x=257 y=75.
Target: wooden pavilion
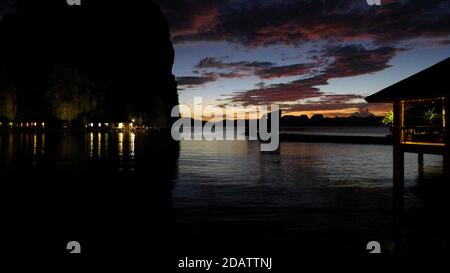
x=421 y=105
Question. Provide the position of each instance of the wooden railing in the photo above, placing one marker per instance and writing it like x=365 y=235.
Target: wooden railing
x=426 y=134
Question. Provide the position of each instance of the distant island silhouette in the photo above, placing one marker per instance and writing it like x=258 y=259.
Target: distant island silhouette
x=316 y=120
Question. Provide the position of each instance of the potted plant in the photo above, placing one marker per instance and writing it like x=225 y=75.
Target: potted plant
x=430 y=115
x=430 y=133
x=388 y=121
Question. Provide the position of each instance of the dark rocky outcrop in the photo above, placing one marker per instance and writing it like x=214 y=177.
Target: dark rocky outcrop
x=101 y=60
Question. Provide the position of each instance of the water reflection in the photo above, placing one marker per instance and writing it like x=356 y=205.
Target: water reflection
x=105 y=147
x=319 y=194
x=27 y=143
x=118 y=148
x=100 y=144
x=315 y=195
x=67 y=184
x=132 y=142
x=91 y=145
x=34 y=145
x=43 y=143
x=120 y=144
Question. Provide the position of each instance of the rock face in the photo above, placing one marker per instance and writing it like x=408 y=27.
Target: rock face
x=101 y=60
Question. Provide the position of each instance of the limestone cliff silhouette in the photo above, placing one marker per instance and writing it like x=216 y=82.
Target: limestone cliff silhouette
x=101 y=60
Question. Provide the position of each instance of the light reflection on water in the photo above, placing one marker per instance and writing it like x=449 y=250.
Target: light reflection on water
x=306 y=188
x=120 y=144
x=91 y=145
x=235 y=172
x=99 y=144
x=17 y=150
x=34 y=144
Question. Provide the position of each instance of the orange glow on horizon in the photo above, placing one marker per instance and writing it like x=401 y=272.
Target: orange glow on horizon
x=376 y=109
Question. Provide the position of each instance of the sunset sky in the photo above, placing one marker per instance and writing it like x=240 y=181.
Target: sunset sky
x=308 y=56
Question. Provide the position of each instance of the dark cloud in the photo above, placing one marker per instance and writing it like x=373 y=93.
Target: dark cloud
x=284 y=71
x=263 y=70
x=231 y=75
x=211 y=63
x=190 y=17
x=193 y=81
x=354 y=60
x=243 y=65
x=204 y=77
x=344 y=61
x=335 y=62
x=282 y=92
x=265 y=22
x=345 y=24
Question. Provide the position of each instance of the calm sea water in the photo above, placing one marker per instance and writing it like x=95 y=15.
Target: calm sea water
x=377 y=131
x=311 y=196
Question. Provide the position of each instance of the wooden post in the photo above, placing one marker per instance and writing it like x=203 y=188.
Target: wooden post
x=420 y=164
x=398 y=179
x=398 y=158
x=446 y=161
